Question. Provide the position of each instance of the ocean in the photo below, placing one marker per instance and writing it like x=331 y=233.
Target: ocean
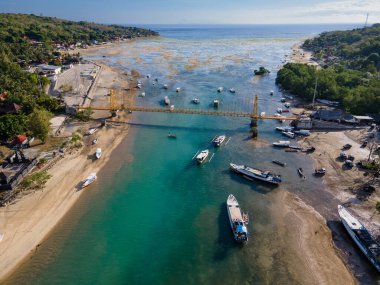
x=154 y=216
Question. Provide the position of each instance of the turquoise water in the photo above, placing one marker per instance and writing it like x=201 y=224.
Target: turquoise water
x=154 y=216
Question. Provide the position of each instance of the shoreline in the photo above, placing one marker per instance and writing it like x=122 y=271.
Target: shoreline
x=26 y=222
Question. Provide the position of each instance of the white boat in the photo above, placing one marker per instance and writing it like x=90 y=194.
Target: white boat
x=95 y=141
x=139 y=86
x=166 y=86
x=98 y=153
x=238 y=220
x=220 y=89
x=91 y=178
x=287 y=105
x=166 y=100
x=289 y=134
x=232 y=90
x=279 y=110
x=262 y=114
x=92 y=131
x=142 y=94
x=281 y=143
x=195 y=101
x=217 y=141
x=178 y=89
x=216 y=103
x=283 y=99
x=361 y=236
x=171 y=107
x=272 y=92
x=284 y=129
x=305 y=133
x=201 y=157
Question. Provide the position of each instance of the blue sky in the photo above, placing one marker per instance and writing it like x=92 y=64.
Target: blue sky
x=201 y=11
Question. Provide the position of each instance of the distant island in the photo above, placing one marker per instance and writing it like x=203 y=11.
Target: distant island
x=349 y=70
x=27 y=41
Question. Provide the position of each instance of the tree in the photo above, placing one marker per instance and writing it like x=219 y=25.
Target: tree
x=39 y=124
x=12 y=125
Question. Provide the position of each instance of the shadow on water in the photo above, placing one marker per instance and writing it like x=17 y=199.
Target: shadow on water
x=165 y=127
x=258 y=186
x=225 y=241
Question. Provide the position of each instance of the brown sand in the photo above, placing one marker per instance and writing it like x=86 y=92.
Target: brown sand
x=28 y=221
x=311 y=255
x=342 y=182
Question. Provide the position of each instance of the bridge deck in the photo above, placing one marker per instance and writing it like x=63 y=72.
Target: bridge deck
x=193 y=111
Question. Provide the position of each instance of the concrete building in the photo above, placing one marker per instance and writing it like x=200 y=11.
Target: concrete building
x=49 y=69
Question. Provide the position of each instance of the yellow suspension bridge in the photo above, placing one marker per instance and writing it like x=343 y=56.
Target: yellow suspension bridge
x=254 y=115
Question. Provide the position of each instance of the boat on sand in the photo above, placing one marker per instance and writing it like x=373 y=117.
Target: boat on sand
x=90 y=179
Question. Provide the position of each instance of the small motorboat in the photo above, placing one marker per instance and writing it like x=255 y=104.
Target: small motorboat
x=289 y=134
x=283 y=99
x=171 y=107
x=201 y=157
x=195 y=101
x=220 y=89
x=142 y=94
x=166 y=86
x=271 y=92
x=287 y=105
x=148 y=76
x=300 y=172
x=91 y=178
x=281 y=144
x=166 y=101
x=139 y=86
x=286 y=111
x=98 y=153
x=178 y=89
x=320 y=172
x=172 y=136
x=217 y=141
x=279 y=163
x=279 y=110
x=262 y=114
x=232 y=90
x=216 y=103
x=95 y=141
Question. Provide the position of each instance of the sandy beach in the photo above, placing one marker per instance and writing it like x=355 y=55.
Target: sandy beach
x=28 y=220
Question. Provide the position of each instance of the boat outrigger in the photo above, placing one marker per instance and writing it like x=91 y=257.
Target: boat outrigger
x=238 y=220
x=360 y=235
x=253 y=173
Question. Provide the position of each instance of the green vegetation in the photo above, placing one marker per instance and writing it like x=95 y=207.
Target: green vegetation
x=84 y=115
x=262 y=71
x=30 y=40
x=38 y=124
x=350 y=72
x=35 y=180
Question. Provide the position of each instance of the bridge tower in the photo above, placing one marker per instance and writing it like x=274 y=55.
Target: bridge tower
x=254 y=116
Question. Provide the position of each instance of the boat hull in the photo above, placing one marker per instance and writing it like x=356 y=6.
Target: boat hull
x=250 y=176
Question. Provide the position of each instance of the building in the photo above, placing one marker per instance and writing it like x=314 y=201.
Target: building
x=49 y=69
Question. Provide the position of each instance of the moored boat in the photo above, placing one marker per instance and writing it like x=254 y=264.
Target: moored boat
x=178 y=89
x=92 y=131
x=196 y=100
x=172 y=136
x=289 y=134
x=254 y=173
x=300 y=172
x=320 y=172
x=202 y=156
x=216 y=103
x=91 y=178
x=238 y=220
x=166 y=101
x=232 y=90
x=281 y=144
x=98 y=153
x=217 y=141
x=360 y=235
x=279 y=163
x=220 y=89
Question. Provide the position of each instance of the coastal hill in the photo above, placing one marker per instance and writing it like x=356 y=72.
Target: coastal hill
x=27 y=41
x=350 y=72
x=32 y=38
